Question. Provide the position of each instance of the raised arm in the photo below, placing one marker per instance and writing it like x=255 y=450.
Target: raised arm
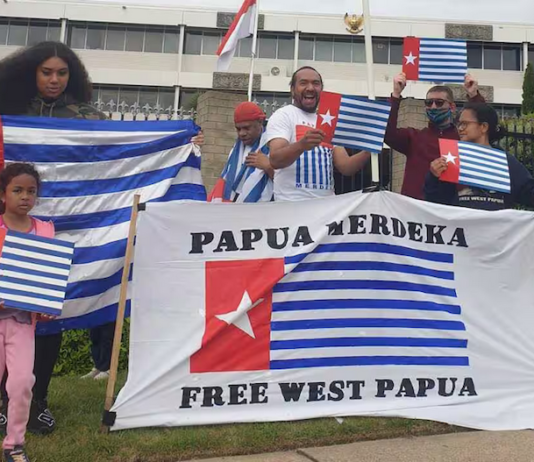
x=349 y=165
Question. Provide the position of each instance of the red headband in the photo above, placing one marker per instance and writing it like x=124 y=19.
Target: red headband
x=247 y=111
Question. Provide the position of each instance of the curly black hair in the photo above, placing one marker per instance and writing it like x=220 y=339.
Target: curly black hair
x=18 y=76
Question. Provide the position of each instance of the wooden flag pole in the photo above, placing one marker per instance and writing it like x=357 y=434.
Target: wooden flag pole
x=110 y=391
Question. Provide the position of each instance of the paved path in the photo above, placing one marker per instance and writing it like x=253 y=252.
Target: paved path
x=456 y=447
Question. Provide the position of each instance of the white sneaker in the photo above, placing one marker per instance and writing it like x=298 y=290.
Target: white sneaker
x=94 y=372
x=102 y=375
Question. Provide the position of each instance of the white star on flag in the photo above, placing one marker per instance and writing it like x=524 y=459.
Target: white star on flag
x=239 y=318
x=410 y=59
x=327 y=118
x=450 y=158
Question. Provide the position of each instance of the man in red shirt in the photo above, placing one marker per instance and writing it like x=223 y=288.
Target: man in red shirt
x=421 y=147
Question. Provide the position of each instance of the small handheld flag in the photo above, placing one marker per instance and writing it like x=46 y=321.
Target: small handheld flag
x=434 y=60
x=353 y=122
x=475 y=165
x=34 y=272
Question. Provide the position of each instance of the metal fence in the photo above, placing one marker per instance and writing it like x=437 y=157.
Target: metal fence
x=135 y=112
x=519 y=140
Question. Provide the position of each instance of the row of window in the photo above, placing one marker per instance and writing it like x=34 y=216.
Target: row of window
x=124 y=38
x=23 y=32
x=152 y=39
x=494 y=56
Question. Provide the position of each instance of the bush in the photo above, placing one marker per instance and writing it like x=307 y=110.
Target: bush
x=75 y=354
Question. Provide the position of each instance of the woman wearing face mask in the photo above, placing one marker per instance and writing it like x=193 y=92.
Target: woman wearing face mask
x=479 y=123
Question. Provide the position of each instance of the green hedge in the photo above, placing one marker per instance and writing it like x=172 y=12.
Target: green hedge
x=75 y=354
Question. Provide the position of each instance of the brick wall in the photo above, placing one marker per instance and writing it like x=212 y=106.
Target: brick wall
x=215 y=114
x=411 y=114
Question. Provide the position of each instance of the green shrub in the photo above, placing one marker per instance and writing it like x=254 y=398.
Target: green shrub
x=75 y=354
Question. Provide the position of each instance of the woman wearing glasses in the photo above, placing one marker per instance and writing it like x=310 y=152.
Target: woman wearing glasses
x=479 y=123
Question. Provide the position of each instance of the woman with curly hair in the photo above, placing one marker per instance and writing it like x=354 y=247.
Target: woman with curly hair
x=45 y=80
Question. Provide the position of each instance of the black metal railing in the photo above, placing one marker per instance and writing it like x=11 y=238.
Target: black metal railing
x=519 y=140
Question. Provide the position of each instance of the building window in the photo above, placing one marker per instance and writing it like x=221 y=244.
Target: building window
x=507 y=111
x=116 y=37
x=531 y=55
x=269 y=46
x=27 y=32
x=495 y=56
x=126 y=98
x=202 y=43
x=344 y=49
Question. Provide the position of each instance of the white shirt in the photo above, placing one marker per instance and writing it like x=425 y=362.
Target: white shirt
x=311 y=175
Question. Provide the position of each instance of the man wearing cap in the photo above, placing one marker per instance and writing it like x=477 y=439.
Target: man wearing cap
x=247 y=175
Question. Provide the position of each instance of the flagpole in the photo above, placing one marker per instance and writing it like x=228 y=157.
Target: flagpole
x=253 y=55
x=375 y=178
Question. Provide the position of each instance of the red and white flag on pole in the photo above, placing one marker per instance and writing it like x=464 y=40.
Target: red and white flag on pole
x=242 y=26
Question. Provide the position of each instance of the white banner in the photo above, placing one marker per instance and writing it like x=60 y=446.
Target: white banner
x=361 y=304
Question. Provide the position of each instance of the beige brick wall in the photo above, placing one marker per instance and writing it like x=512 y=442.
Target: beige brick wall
x=215 y=114
x=411 y=114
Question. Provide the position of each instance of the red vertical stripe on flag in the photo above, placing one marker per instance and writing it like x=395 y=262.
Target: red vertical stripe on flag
x=1 y=144
x=328 y=114
x=239 y=296
x=3 y=233
x=449 y=150
x=410 y=58
x=217 y=192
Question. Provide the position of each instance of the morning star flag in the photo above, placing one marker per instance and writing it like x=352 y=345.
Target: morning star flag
x=361 y=304
x=90 y=172
x=34 y=271
x=435 y=60
x=475 y=165
x=352 y=121
x=243 y=26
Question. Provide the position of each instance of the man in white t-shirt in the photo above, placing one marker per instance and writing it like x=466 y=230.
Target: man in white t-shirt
x=303 y=163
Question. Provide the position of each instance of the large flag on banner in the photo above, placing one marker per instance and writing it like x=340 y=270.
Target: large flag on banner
x=90 y=172
x=435 y=60
x=360 y=304
x=475 y=165
x=239 y=183
x=242 y=26
x=353 y=122
x=34 y=271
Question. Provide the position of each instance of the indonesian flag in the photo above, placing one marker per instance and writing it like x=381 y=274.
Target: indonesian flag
x=242 y=27
x=475 y=165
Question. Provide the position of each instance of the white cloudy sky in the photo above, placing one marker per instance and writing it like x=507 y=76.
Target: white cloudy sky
x=521 y=11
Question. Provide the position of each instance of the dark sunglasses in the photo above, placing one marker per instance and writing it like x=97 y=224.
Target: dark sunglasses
x=437 y=101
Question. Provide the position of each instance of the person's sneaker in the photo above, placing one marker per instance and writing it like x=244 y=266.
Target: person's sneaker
x=94 y=372
x=3 y=418
x=104 y=375
x=41 y=421
x=17 y=454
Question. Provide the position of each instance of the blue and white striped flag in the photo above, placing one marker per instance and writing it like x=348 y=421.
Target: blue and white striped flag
x=347 y=304
x=353 y=122
x=90 y=172
x=34 y=271
x=435 y=60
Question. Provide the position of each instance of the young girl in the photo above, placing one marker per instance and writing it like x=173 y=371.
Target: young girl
x=19 y=186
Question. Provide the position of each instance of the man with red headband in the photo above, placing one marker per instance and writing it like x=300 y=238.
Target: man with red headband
x=247 y=175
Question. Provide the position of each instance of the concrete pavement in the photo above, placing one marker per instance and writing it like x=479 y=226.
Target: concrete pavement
x=455 y=447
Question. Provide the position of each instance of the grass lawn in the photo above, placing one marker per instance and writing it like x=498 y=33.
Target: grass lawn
x=77 y=406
